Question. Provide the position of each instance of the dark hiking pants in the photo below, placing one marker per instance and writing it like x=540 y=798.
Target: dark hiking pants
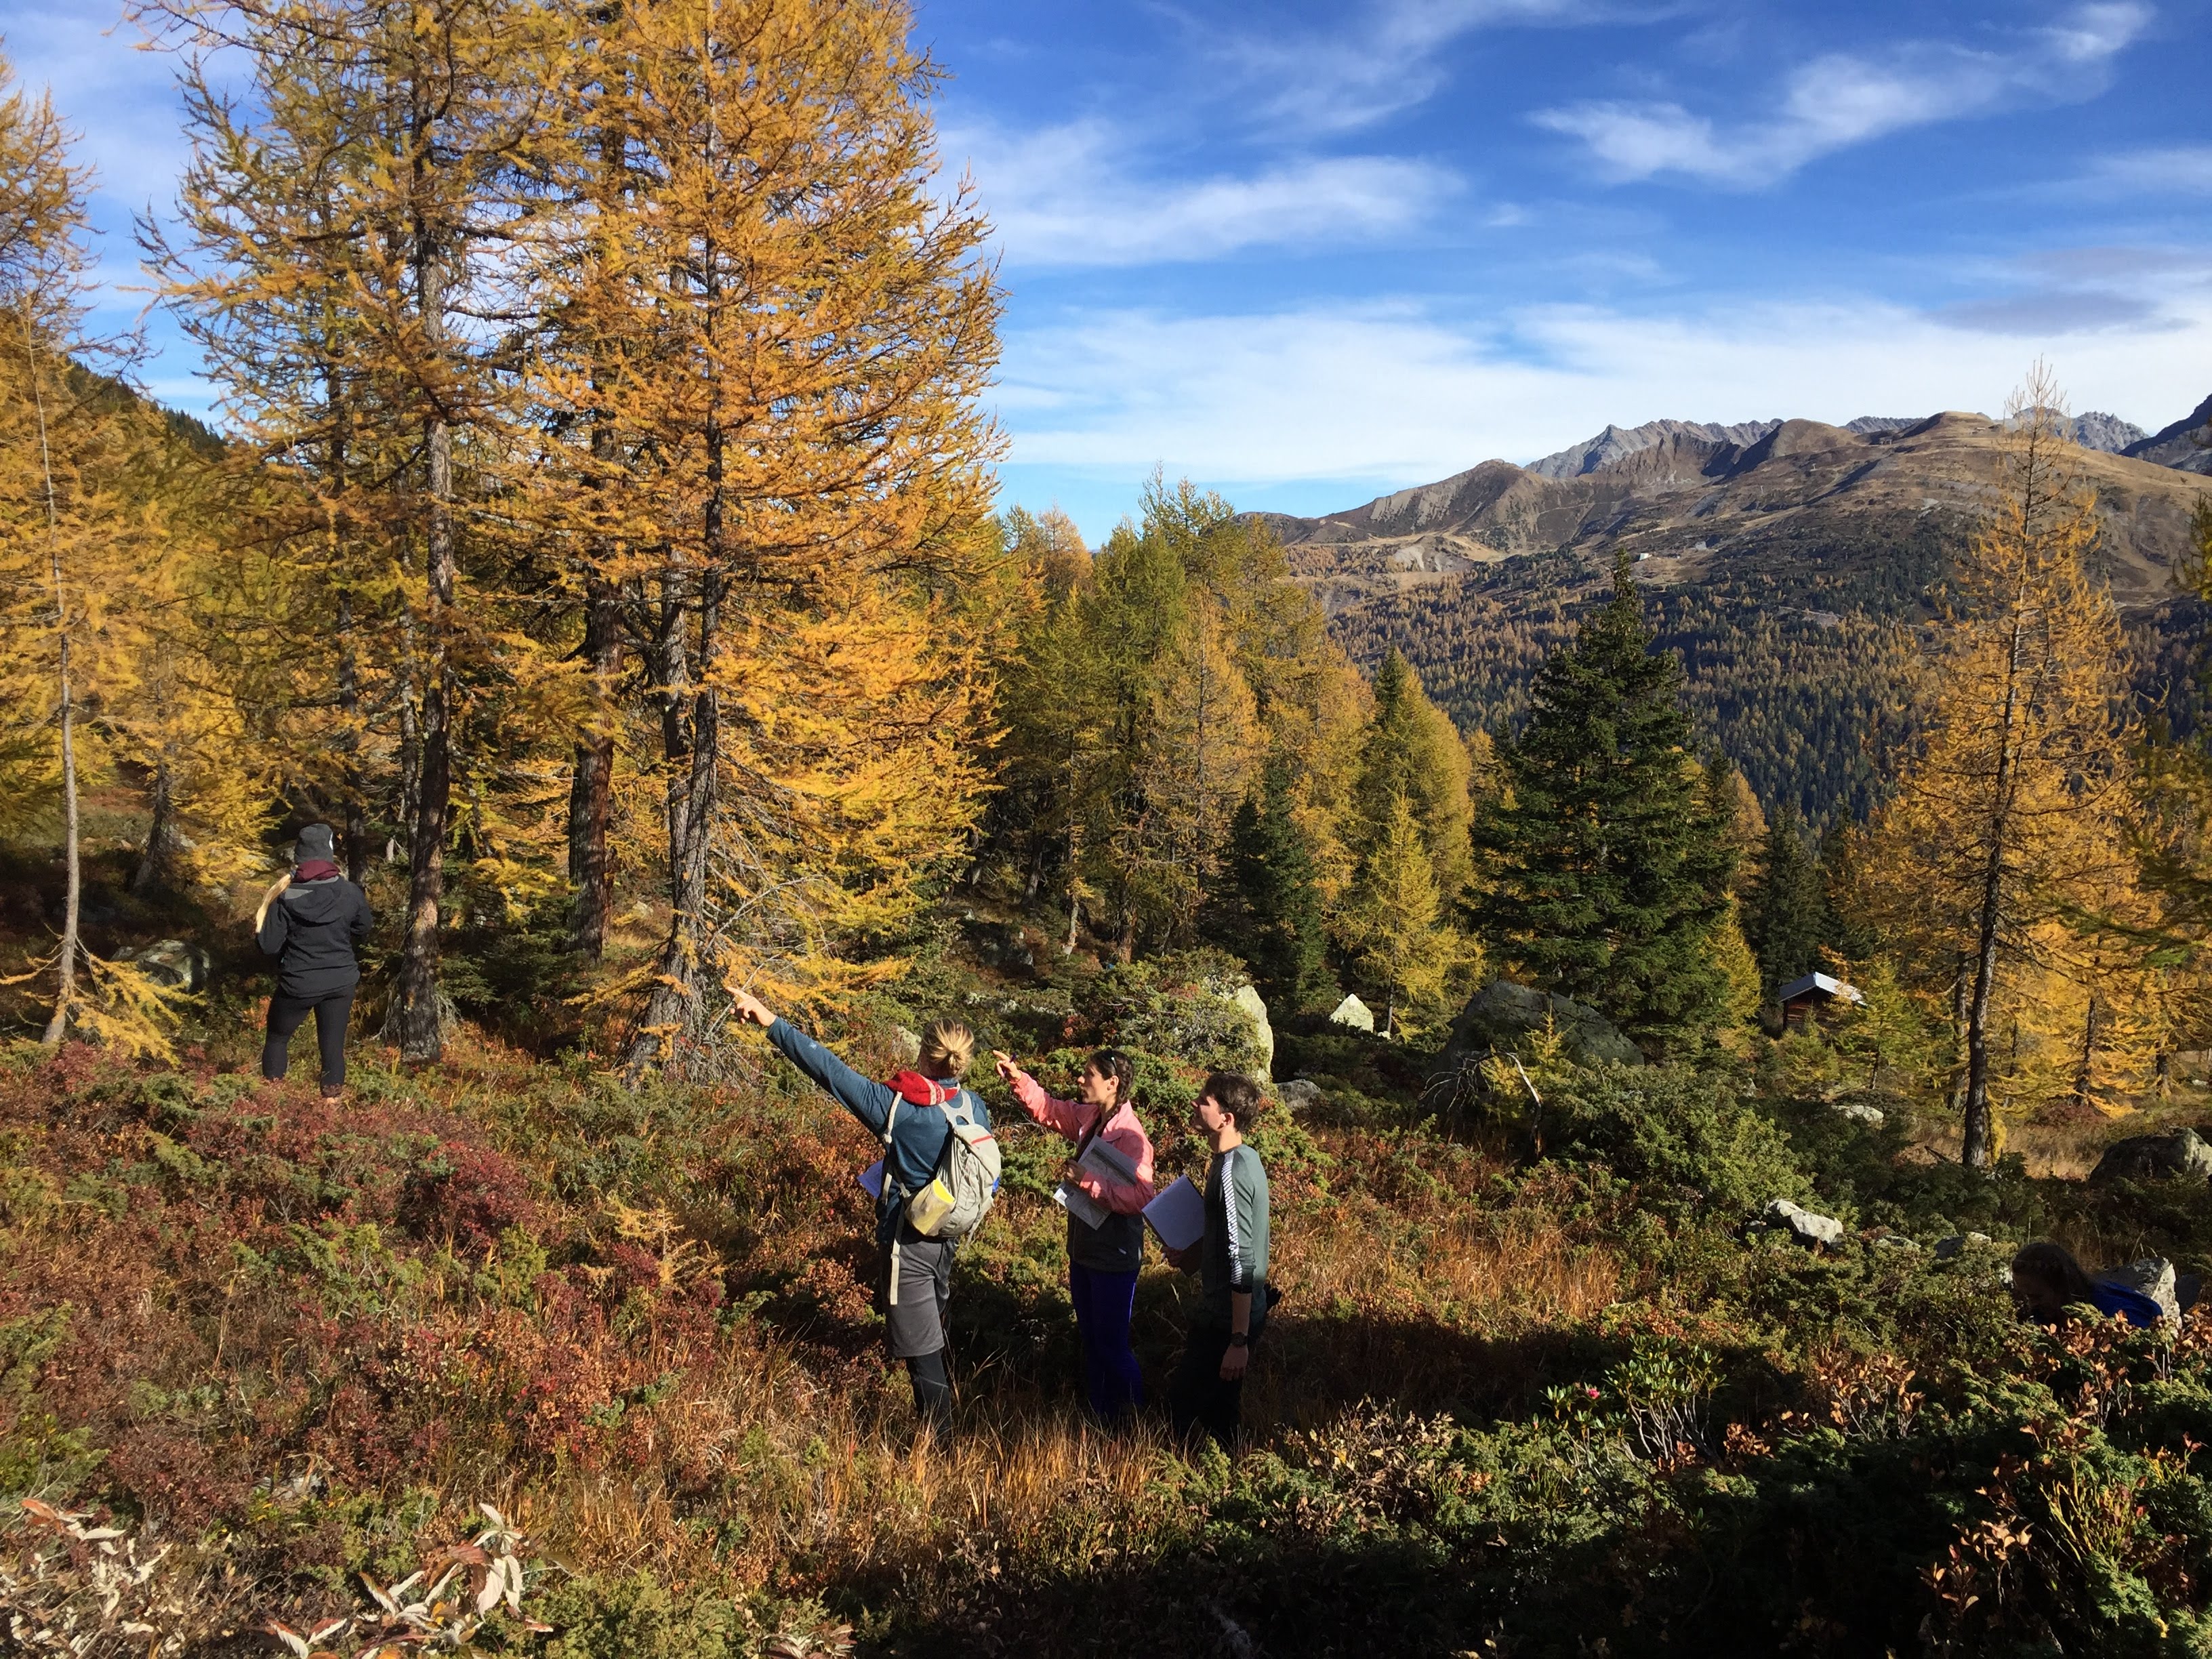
x=286 y=1015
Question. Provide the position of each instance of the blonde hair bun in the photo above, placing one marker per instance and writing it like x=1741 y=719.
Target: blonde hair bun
x=947 y=1046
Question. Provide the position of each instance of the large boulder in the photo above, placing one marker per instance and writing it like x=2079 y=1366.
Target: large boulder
x=175 y=965
x=1805 y=1226
x=1354 y=1012
x=1254 y=1007
x=1502 y=1015
x=2151 y=1158
x=2153 y=1277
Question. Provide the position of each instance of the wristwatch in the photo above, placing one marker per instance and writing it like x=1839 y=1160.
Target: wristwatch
x=1238 y=1339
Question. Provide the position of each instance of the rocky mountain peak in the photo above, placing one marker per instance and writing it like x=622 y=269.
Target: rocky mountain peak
x=1616 y=442
x=2186 y=445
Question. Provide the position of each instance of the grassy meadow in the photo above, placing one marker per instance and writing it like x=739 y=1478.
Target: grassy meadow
x=1535 y=1388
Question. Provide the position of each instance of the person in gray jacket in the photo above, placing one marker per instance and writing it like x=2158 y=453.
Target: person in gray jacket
x=1230 y=1259
x=311 y=921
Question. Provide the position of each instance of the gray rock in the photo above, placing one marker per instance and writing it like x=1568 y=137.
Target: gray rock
x=999 y=945
x=1616 y=443
x=1782 y=1216
x=178 y=966
x=1263 y=1035
x=907 y=1043
x=2187 y=444
x=1896 y=1242
x=2152 y=1157
x=2155 y=1277
x=1957 y=1245
x=1300 y=1094
x=1502 y=1015
x=1859 y=1112
x=1354 y=1012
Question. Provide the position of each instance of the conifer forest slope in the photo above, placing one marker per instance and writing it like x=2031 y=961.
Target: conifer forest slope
x=1791 y=571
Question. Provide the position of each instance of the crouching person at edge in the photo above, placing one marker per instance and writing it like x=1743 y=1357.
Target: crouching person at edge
x=1102 y=1261
x=913 y=1279
x=1231 y=1261
x=310 y=922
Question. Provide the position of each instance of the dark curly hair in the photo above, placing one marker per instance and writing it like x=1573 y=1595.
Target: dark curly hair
x=1236 y=1095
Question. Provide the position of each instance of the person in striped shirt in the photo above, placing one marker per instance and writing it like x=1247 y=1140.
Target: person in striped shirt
x=1230 y=1259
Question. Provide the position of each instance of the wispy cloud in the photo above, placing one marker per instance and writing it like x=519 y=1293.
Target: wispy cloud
x=1070 y=196
x=1397 y=394
x=2050 y=312
x=2178 y=170
x=1844 y=99
x=1385 y=57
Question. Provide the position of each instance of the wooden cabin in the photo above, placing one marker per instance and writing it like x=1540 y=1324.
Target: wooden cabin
x=1816 y=996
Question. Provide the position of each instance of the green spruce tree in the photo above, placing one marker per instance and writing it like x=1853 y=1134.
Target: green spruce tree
x=1270 y=915
x=1785 y=914
x=1412 y=749
x=1609 y=863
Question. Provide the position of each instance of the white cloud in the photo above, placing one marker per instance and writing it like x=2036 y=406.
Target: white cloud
x=1388 y=59
x=1396 y=395
x=1844 y=99
x=2178 y=170
x=1067 y=196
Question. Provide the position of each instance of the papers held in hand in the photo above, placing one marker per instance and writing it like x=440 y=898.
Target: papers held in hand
x=1103 y=1161
x=1080 y=1204
x=1178 y=1215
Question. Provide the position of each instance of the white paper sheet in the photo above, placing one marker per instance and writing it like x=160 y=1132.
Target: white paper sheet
x=1178 y=1215
x=1080 y=1204
x=1107 y=1163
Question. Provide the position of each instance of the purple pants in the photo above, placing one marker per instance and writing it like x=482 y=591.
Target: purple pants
x=1104 y=1303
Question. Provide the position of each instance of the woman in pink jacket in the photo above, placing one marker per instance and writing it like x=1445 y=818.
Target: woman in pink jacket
x=1102 y=1260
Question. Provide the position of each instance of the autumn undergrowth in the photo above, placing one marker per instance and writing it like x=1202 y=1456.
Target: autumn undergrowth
x=1515 y=1402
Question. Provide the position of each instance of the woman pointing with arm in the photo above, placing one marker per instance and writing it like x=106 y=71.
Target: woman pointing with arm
x=913 y=1279
x=1103 y=1258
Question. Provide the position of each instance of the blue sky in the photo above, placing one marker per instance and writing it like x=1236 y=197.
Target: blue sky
x=1309 y=253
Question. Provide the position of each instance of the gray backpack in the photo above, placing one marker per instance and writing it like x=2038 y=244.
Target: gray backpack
x=960 y=1195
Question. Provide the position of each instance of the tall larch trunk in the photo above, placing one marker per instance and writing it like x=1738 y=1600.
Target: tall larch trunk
x=1977 y=1140
x=73 y=867
x=153 y=859
x=590 y=796
x=676 y=976
x=421 y=1030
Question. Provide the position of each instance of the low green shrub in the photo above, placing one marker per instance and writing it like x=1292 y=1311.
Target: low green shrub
x=1684 y=1135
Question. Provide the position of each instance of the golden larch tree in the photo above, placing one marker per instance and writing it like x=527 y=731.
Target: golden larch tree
x=2005 y=842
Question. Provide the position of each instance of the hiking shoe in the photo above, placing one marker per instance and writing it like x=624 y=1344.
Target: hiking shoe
x=334 y=1091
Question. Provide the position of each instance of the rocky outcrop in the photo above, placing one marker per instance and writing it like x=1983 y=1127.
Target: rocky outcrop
x=2108 y=433
x=2155 y=1158
x=1255 y=1008
x=2152 y=1277
x=1616 y=443
x=2186 y=446
x=176 y=965
x=1502 y=1015
x=1354 y=1012
x=1300 y=1094
x=1813 y=1230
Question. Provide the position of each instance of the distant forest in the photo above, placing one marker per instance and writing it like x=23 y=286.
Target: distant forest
x=1798 y=651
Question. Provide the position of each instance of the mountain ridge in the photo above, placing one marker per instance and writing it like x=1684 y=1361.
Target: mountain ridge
x=1681 y=495
x=1796 y=567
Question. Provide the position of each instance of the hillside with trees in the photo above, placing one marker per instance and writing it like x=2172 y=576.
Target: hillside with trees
x=1670 y=990
x=1795 y=572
